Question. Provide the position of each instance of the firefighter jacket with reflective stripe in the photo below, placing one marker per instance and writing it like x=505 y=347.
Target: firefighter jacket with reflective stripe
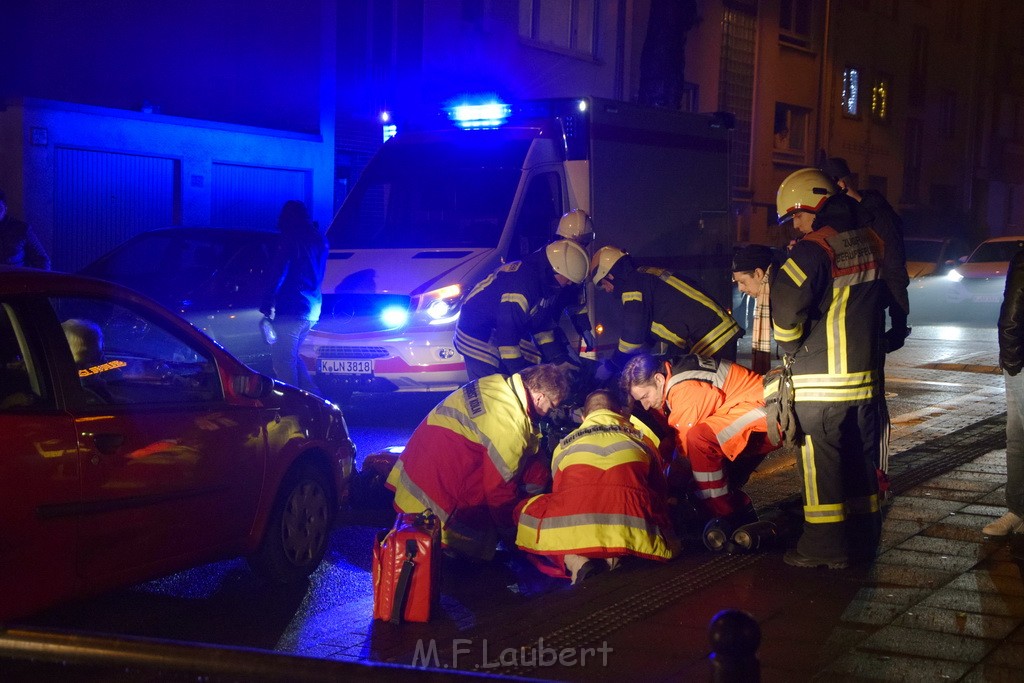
x=728 y=397
x=607 y=498
x=507 y=307
x=658 y=304
x=827 y=308
x=464 y=462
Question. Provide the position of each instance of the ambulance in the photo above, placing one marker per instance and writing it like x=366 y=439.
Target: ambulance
x=441 y=205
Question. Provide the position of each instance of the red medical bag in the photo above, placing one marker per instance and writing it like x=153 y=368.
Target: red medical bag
x=407 y=568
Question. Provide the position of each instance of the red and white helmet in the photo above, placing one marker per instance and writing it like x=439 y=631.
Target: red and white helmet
x=804 y=190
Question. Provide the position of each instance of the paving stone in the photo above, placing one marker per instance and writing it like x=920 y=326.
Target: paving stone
x=912 y=558
x=889 y=574
x=945 y=546
x=955 y=532
x=925 y=643
x=1008 y=654
x=980 y=603
x=863 y=666
x=984 y=510
x=958 y=622
x=991 y=673
x=946 y=493
x=984 y=582
x=872 y=612
x=893 y=595
x=972 y=522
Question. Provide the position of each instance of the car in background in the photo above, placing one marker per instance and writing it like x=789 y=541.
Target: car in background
x=933 y=255
x=213 y=277
x=989 y=260
x=134 y=447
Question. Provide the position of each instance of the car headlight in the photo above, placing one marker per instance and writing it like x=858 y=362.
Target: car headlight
x=439 y=306
x=954 y=276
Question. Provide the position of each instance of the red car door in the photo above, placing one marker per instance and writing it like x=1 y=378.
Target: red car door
x=171 y=472
x=39 y=477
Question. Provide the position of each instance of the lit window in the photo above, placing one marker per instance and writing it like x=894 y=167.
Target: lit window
x=790 y=129
x=851 y=91
x=880 y=100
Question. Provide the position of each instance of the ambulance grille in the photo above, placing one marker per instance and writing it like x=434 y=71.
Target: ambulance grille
x=352 y=352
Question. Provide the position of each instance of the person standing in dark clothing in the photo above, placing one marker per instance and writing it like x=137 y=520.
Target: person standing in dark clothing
x=293 y=298
x=19 y=245
x=1011 y=360
x=828 y=314
x=888 y=225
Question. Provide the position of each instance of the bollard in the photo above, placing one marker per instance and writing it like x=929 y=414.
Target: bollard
x=735 y=637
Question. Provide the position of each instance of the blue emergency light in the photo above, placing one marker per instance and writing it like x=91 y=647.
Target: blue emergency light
x=394 y=316
x=486 y=115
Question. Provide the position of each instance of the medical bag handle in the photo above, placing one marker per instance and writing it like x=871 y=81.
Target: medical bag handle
x=402 y=589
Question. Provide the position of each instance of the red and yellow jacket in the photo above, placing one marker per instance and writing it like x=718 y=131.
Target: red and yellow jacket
x=464 y=462
x=607 y=499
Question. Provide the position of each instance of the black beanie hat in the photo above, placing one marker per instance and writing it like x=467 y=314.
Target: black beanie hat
x=750 y=257
x=836 y=168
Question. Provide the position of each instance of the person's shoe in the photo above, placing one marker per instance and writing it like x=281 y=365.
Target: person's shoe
x=589 y=568
x=795 y=558
x=1010 y=523
x=580 y=567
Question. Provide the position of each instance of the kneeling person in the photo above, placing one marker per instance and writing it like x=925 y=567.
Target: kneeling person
x=716 y=408
x=607 y=498
x=467 y=459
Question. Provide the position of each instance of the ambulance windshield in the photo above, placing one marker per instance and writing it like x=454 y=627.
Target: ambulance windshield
x=432 y=194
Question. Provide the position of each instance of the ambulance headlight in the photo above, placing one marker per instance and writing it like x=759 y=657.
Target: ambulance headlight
x=440 y=306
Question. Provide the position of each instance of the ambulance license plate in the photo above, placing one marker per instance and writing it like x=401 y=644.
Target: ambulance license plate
x=333 y=366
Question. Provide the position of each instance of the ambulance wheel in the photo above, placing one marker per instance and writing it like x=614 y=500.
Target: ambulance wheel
x=299 y=527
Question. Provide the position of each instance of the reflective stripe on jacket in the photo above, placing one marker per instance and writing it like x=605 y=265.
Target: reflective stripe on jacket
x=607 y=499
x=827 y=307
x=657 y=303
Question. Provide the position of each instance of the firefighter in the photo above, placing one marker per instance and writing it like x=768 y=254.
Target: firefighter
x=888 y=225
x=660 y=306
x=608 y=498
x=577 y=226
x=468 y=457
x=716 y=409
x=506 y=324
x=828 y=317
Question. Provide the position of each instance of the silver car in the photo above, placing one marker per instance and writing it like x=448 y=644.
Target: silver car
x=213 y=277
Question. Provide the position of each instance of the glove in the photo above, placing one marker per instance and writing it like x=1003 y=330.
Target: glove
x=895 y=338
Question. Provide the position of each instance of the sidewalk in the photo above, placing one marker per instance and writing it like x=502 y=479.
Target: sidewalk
x=941 y=602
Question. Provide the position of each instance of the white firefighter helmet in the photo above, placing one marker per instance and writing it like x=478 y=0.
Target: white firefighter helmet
x=568 y=259
x=803 y=190
x=576 y=226
x=603 y=261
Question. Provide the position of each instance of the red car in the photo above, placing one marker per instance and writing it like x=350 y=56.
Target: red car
x=132 y=446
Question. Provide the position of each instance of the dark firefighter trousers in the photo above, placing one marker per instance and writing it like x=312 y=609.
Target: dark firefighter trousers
x=837 y=460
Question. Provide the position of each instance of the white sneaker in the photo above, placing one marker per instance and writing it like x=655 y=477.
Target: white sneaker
x=1010 y=523
x=573 y=564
